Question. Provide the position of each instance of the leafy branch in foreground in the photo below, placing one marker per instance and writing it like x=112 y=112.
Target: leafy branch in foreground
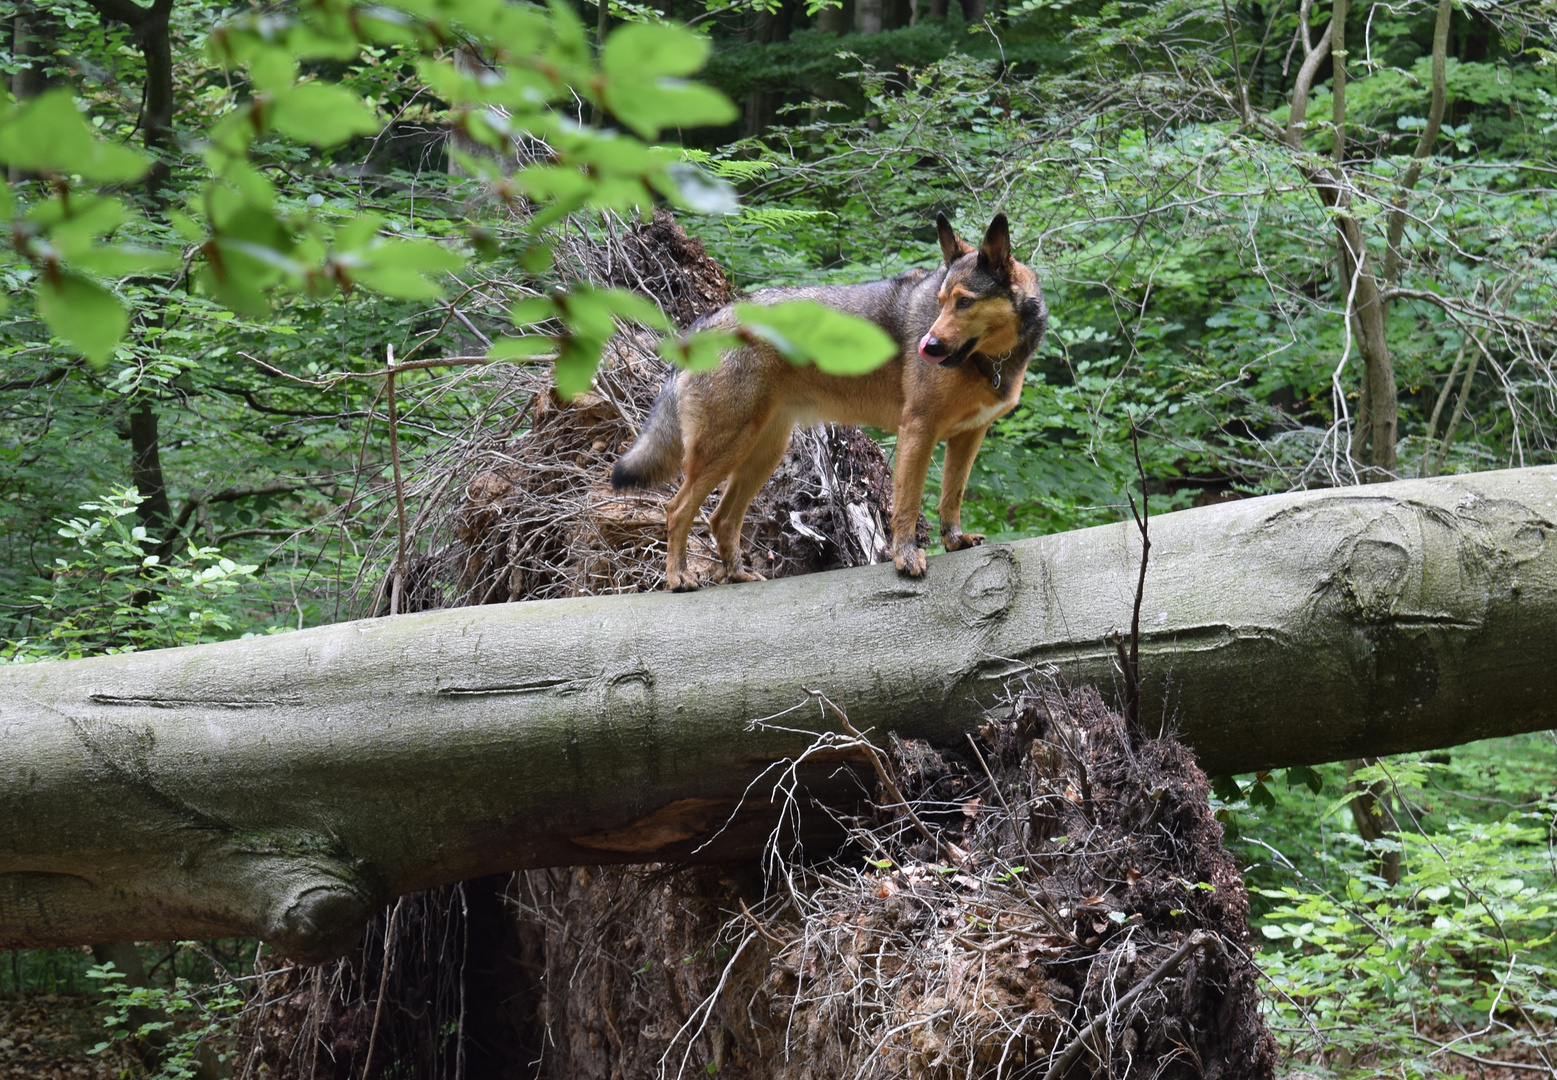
x=516 y=76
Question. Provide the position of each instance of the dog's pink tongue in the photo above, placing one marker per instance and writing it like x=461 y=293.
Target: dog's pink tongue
x=926 y=357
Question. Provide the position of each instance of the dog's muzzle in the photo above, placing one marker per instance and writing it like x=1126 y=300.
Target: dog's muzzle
x=932 y=350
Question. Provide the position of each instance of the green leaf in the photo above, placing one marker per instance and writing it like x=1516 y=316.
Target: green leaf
x=426 y=256
x=118 y=261
x=635 y=308
x=647 y=106
x=570 y=43
x=701 y=192
x=641 y=63
x=519 y=31
x=553 y=183
x=89 y=218
x=393 y=281
x=617 y=154
x=1302 y=774
x=641 y=50
x=255 y=225
x=50 y=135
x=322 y=114
x=238 y=289
x=701 y=351
x=576 y=365
x=83 y=313
x=804 y=331
x=1226 y=788
x=272 y=69
x=588 y=313
x=532 y=309
x=358 y=232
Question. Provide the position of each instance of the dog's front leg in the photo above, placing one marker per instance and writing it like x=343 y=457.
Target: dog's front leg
x=915 y=444
x=960 y=452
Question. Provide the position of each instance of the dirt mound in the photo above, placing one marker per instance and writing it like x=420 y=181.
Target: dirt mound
x=660 y=260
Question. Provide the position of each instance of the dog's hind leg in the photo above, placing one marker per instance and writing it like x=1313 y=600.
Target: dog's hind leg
x=960 y=452
x=680 y=512
x=712 y=454
x=747 y=479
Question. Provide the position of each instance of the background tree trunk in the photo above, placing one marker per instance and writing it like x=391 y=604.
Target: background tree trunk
x=150 y=25
x=1365 y=289
x=286 y=786
x=26 y=80
x=867 y=16
x=156 y=513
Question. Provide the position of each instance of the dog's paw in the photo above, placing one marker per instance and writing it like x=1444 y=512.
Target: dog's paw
x=682 y=581
x=962 y=540
x=740 y=573
x=910 y=562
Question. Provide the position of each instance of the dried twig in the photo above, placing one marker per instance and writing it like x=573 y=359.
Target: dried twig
x=383 y=983
x=394 y=458
x=899 y=802
x=1130 y=662
x=1067 y=1057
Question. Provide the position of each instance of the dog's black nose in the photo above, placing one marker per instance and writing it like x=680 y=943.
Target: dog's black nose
x=934 y=346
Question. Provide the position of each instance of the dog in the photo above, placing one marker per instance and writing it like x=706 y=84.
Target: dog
x=965 y=334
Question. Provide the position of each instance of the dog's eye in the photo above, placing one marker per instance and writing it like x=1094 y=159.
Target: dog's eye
x=964 y=302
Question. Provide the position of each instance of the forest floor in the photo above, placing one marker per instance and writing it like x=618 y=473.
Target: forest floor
x=50 y=1037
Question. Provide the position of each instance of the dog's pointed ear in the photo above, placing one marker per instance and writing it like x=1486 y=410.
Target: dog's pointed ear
x=996 y=251
x=953 y=247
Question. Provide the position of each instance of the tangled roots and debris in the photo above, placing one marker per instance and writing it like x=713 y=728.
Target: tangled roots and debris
x=1048 y=904
x=1075 y=915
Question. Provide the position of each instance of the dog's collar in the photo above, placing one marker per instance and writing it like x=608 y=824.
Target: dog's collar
x=997 y=375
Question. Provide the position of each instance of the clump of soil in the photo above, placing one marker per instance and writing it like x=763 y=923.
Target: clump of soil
x=660 y=260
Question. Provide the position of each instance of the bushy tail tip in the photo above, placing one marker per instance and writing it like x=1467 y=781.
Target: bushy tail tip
x=656 y=456
x=624 y=476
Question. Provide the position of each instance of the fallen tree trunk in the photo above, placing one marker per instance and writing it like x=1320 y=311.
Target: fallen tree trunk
x=285 y=786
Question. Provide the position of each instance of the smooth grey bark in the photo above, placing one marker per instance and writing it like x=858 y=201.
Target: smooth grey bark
x=286 y=786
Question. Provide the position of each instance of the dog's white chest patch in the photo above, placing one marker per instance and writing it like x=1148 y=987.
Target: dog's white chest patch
x=984 y=417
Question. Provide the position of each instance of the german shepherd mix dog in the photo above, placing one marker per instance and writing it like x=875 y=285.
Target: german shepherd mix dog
x=965 y=334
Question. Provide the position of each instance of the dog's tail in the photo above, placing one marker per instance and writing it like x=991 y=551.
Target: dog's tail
x=656 y=456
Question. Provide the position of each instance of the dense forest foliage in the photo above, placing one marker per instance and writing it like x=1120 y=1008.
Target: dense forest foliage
x=1290 y=244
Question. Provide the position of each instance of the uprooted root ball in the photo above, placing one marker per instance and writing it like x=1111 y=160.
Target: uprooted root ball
x=1076 y=917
